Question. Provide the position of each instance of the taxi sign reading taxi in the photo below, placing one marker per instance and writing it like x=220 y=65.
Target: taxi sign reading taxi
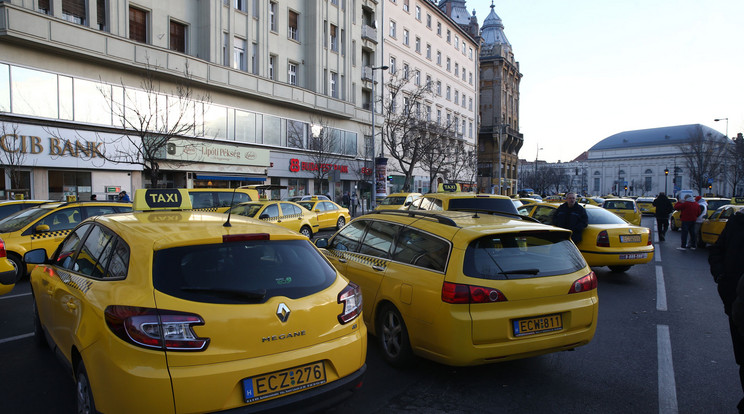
x=449 y=188
x=161 y=199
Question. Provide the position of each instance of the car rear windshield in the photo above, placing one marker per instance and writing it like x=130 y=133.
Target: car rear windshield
x=242 y=272
x=393 y=201
x=498 y=205
x=248 y=210
x=602 y=216
x=522 y=256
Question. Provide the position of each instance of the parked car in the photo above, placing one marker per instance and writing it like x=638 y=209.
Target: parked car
x=625 y=208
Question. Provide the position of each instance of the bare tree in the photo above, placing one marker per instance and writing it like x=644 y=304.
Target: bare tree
x=436 y=149
x=703 y=154
x=12 y=157
x=735 y=164
x=323 y=143
x=463 y=162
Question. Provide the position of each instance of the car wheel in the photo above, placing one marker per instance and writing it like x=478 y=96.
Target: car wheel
x=19 y=265
x=39 y=335
x=305 y=231
x=393 y=337
x=85 y=403
x=340 y=223
x=619 y=269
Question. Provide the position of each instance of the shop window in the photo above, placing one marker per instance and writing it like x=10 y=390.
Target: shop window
x=64 y=183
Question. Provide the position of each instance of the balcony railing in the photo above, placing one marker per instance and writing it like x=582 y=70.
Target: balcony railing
x=369 y=33
x=367 y=73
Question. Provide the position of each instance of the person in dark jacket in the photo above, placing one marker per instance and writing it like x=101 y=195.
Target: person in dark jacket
x=727 y=267
x=663 y=210
x=572 y=216
x=688 y=213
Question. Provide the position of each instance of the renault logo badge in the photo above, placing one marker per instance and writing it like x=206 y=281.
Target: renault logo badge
x=282 y=312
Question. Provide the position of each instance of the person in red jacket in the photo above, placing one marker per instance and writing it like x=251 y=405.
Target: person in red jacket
x=688 y=213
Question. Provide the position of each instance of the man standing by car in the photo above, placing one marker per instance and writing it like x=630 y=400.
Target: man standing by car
x=727 y=267
x=688 y=213
x=572 y=216
x=663 y=210
x=700 y=218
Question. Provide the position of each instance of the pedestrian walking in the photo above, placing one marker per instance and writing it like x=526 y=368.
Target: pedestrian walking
x=703 y=205
x=124 y=197
x=571 y=215
x=688 y=213
x=354 y=203
x=663 y=210
x=727 y=267
x=345 y=200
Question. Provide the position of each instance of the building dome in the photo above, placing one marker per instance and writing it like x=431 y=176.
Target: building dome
x=492 y=30
x=457 y=11
x=673 y=135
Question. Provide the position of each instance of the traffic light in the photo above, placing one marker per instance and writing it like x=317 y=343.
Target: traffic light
x=710 y=186
x=626 y=187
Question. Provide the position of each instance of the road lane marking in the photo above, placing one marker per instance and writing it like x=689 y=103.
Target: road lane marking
x=16 y=338
x=657 y=254
x=15 y=296
x=661 y=299
x=667 y=386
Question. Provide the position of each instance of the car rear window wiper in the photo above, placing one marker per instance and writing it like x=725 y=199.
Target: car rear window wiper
x=242 y=294
x=520 y=272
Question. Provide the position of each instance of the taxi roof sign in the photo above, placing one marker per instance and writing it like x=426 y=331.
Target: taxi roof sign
x=161 y=199
x=737 y=200
x=448 y=188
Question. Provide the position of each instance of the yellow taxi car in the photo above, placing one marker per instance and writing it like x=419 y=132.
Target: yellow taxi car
x=466 y=289
x=171 y=311
x=8 y=272
x=713 y=204
x=449 y=197
x=646 y=205
x=284 y=213
x=607 y=240
x=625 y=208
x=595 y=201
x=398 y=201
x=713 y=225
x=47 y=225
x=8 y=207
x=220 y=199
x=330 y=214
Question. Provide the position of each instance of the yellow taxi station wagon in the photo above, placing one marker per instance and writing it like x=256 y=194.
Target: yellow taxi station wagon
x=170 y=310
x=464 y=288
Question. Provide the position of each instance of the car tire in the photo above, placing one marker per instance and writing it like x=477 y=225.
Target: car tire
x=392 y=335
x=85 y=403
x=619 y=269
x=19 y=265
x=340 y=223
x=307 y=232
x=39 y=335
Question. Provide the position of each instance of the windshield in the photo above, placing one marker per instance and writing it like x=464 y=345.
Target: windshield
x=522 y=256
x=490 y=204
x=393 y=201
x=242 y=272
x=248 y=210
x=21 y=219
x=307 y=204
x=602 y=216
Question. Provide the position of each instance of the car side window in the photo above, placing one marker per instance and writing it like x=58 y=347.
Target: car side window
x=224 y=198
x=272 y=211
x=95 y=253
x=117 y=268
x=99 y=210
x=349 y=238
x=421 y=249
x=64 y=219
x=416 y=205
x=727 y=213
x=290 y=209
x=378 y=240
x=436 y=205
x=66 y=252
x=544 y=214
x=329 y=206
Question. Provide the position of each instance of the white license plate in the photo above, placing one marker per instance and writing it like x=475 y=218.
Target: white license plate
x=633 y=256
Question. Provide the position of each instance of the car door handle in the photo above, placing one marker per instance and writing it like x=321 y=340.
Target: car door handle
x=378 y=268
x=341 y=260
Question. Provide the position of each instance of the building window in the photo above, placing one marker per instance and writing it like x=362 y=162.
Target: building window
x=138 y=25
x=457 y=97
x=449 y=93
x=439 y=29
x=439 y=58
x=392 y=29
x=418 y=44
x=392 y=65
x=417 y=77
x=457 y=42
x=254 y=58
x=449 y=36
x=334 y=84
x=405 y=5
x=101 y=14
x=292 y=73
x=439 y=88
x=334 y=38
x=74 y=11
x=405 y=37
x=293 y=27
x=470 y=78
x=449 y=65
x=428 y=51
x=428 y=20
x=240 y=5
x=272 y=16
x=428 y=83
x=239 y=54
x=225 y=49
x=405 y=71
x=417 y=13
x=177 y=37
x=457 y=69
x=470 y=53
x=272 y=62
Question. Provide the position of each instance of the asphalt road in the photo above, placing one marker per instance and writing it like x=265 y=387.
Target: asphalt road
x=662 y=346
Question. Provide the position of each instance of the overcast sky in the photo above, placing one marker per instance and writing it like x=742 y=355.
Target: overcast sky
x=594 y=68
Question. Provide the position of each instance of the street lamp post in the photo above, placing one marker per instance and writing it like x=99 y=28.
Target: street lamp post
x=666 y=176
x=723 y=119
x=537 y=153
x=374 y=164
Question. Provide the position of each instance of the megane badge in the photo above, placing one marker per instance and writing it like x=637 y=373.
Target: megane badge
x=282 y=312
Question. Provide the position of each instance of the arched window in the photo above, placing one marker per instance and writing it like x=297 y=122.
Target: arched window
x=648 y=171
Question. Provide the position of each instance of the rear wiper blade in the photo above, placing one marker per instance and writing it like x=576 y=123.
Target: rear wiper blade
x=245 y=294
x=521 y=272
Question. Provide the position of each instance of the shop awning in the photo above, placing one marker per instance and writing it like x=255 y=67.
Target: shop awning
x=229 y=178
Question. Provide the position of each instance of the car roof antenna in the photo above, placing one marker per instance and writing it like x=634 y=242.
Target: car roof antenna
x=229 y=212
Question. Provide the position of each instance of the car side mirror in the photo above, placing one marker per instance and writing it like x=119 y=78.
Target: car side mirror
x=321 y=243
x=36 y=256
x=317 y=210
x=41 y=228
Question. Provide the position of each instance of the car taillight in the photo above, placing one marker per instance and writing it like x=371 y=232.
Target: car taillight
x=3 y=253
x=586 y=283
x=156 y=329
x=351 y=298
x=226 y=238
x=603 y=240
x=458 y=293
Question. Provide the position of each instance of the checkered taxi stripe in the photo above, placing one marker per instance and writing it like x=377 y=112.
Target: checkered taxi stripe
x=288 y=217
x=359 y=258
x=50 y=234
x=74 y=281
x=211 y=209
